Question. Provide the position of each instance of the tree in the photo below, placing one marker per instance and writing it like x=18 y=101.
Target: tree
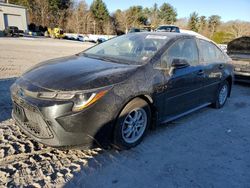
x=202 y=24
x=193 y=22
x=182 y=23
x=120 y=21
x=153 y=16
x=20 y=2
x=100 y=14
x=222 y=37
x=213 y=22
x=167 y=14
x=39 y=12
x=136 y=16
x=78 y=21
x=239 y=28
x=50 y=13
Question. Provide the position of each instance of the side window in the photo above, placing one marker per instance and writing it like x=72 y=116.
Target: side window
x=181 y=49
x=209 y=52
x=219 y=54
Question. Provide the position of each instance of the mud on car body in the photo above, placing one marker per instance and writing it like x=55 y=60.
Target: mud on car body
x=239 y=51
x=114 y=92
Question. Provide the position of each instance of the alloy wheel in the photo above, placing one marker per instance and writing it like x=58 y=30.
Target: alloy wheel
x=223 y=94
x=134 y=125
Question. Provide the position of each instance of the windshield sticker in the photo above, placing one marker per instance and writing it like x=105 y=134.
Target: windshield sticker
x=156 y=37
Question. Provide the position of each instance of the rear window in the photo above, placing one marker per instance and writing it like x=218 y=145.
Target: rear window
x=239 y=45
x=169 y=28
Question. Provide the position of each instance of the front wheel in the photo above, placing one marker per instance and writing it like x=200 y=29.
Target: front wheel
x=132 y=124
x=222 y=95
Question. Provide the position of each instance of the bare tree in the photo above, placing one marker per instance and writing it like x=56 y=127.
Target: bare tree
x=239 y=28
x=79 y=18
x=213 y=22
x=182 y=23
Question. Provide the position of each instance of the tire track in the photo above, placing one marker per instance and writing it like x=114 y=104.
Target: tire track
x=24 y=162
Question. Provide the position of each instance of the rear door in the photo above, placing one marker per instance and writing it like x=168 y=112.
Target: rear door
x=182 y=86
x=213 y=61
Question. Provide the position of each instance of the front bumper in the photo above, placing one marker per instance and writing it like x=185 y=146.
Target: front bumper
x=242 y=76
x=241 y=70
x=53 y=123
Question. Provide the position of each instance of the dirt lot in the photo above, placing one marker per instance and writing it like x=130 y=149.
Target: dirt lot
x=209 y=148
x=17 y=55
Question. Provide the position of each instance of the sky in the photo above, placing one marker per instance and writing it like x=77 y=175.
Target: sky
x=227 y=9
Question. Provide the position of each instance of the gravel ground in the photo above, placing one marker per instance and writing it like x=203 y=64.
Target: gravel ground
x=17 y=55
x=209 y=148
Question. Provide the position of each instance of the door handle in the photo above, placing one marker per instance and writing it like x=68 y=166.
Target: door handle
x=221 y=66
x=200 y=72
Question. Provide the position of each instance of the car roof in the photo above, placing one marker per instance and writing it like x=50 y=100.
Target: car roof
x=197 y=35
x=170 y=35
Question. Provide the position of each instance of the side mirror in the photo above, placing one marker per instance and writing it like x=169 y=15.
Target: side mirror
x=179 y=63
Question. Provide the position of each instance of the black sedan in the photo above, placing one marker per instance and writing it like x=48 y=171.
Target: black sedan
x=112 y=93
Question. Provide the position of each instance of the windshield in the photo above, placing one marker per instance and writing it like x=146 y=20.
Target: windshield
x=129 y=49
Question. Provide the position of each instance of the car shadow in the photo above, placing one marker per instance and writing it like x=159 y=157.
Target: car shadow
x=5 y=99
x=105 y=157
x=242 y=84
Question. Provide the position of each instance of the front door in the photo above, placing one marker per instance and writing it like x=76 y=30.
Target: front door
x=182 y=85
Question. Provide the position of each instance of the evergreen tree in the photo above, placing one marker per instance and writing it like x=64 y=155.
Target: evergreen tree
x=167 y=13
x=100 y=14
x=193 y=22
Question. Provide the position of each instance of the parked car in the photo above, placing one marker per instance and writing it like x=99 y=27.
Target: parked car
x=168 y=28
x=114 y=92
x=134 y=30
x=80 y=38
x=143 y=29
x=239 y=51
x=101 y=40
x=11 y=31
x=21 y=33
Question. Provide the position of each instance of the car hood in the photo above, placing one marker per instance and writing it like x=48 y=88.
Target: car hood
x=77 y=73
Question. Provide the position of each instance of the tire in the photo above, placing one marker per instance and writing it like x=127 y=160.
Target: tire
x=132 y=124
x=222 y=95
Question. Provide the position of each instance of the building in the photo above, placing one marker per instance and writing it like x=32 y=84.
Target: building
x=12 y=15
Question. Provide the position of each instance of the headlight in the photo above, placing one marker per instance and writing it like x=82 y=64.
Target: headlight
x=46 y=95
x=81 y=100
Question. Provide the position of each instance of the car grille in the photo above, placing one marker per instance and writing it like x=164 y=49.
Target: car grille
x=241 y=66
x=34 y=122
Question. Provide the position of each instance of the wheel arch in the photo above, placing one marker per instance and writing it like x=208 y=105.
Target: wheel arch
x=149 y=100
x=229 y=79
x=153 y=109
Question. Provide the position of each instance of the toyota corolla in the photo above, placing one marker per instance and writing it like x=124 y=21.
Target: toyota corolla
x=114 y=92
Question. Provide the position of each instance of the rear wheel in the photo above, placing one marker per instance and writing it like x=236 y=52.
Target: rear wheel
x=132 y=124
x=222 y=95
